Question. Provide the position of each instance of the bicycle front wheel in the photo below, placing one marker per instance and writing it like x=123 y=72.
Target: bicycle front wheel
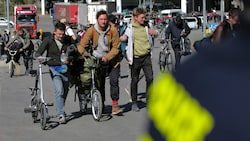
x=162 y=61
x=11 y=69
x=96 y=104
x=43 y=116
x=170 y=62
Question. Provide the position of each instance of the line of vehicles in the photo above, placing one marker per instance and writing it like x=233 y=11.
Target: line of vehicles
x=79 y=14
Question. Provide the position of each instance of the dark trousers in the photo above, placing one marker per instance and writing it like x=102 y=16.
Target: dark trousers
x=28 y=60
x=138 y=64
x=113 y=74
x=177 y=54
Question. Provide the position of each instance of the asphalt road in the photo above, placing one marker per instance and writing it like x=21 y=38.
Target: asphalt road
x=15 y=96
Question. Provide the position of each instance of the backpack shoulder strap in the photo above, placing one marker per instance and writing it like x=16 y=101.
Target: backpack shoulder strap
x=110 y=31
x=93 y=32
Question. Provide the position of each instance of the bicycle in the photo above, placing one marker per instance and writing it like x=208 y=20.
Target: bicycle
x=185 y=45
x=13 y=52
x=166 y=57
x=37 y=104
x=93 y=97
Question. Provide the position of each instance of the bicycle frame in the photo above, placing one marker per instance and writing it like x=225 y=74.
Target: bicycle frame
x=166 y=58
x=41 y=82
x=12 y=63
x=94 y=97
x=38 y=104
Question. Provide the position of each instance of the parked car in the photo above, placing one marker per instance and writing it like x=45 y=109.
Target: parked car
x=192 y=22
x=5 y=22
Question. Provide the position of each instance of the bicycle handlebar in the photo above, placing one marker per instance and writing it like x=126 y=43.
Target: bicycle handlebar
x=12 y=52
x=42 y=59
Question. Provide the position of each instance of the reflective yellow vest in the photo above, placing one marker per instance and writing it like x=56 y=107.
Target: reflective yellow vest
x=174 y=115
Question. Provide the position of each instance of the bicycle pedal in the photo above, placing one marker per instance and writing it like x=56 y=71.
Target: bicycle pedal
x=50 y=104
x=27 y=110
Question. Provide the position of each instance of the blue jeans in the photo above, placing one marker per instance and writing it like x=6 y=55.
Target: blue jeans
x=61 y=88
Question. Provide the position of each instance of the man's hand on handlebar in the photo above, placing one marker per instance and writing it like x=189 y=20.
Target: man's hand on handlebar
x=21 y=50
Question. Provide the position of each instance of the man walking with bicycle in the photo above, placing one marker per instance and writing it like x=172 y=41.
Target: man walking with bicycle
x=106 y=47
x=176 y=30
x=26 y=50
x=55 y=46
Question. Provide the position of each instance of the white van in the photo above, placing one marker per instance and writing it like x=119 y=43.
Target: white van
x=191 y=21
x=169 y=13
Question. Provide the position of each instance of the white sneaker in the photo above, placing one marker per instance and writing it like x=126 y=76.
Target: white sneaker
x=62 y=119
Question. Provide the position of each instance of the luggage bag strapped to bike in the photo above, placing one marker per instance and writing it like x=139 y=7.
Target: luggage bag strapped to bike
x=85 y=76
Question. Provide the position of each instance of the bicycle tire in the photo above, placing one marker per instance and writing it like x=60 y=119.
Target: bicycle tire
x=11 y=69
x=162 y=61
x=43 y=116
x=96 y=104
x=35 y=111
x=170 y=62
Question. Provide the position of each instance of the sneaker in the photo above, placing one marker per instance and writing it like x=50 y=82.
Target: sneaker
x=135 y=107
x=62 y=119
x=116 y=110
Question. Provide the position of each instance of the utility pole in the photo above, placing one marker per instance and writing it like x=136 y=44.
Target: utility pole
x=43 y=7
x=204 y=18
x=8 y=14
x=193 y=5
x=151 y=6
x=5 y=11
x=222 y=10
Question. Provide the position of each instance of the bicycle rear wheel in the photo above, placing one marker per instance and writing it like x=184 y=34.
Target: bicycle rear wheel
x=162 y=61
x=96 y=104
x=43 y=116
x=34 y=111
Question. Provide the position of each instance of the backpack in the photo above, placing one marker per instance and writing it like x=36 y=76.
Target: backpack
x=122 y=31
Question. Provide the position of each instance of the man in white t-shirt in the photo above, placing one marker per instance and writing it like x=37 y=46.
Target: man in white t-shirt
x=68 y=30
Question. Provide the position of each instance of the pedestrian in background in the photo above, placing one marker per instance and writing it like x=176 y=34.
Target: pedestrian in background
x=27 y=48
x=69 y=31
x=177 y=29
x=1 y=45
x=6 y=37
x=227 y=28
x=138 y=53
